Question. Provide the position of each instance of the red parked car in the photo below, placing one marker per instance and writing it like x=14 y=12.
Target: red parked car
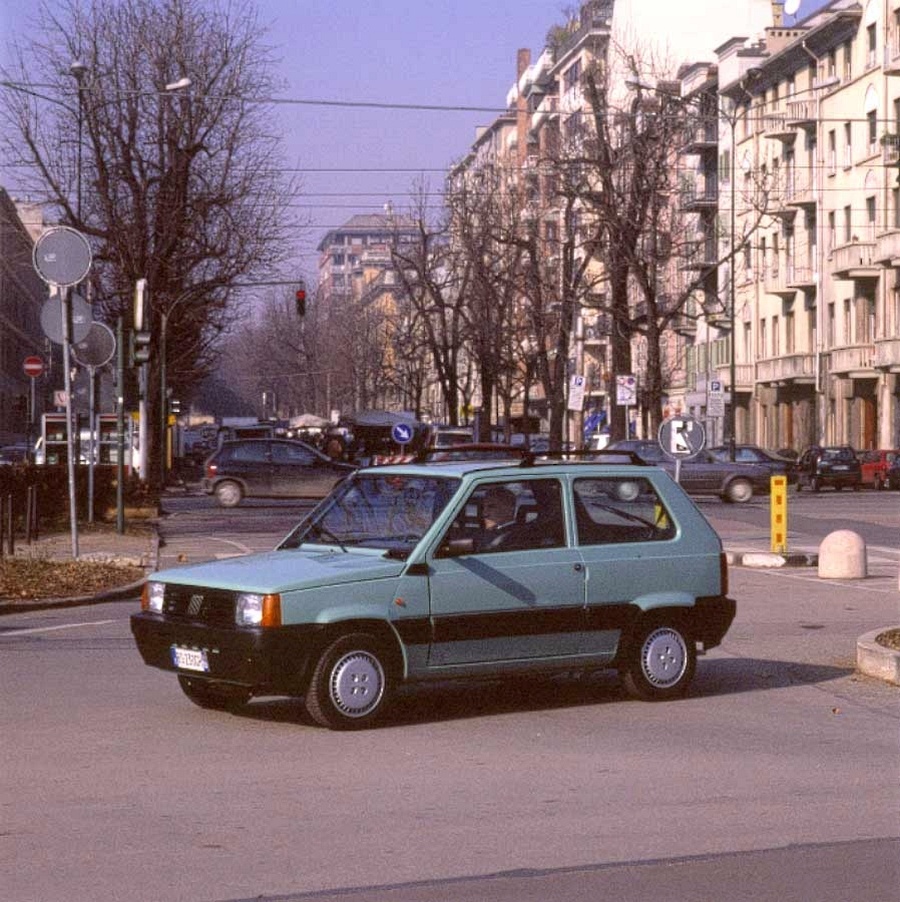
x=875 y=466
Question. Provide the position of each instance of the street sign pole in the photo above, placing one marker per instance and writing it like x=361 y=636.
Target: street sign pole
x=70 y=444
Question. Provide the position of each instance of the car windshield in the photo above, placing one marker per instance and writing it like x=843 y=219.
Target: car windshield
x=391 y=511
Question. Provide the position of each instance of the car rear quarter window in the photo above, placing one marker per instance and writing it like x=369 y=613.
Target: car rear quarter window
x=620 y=509
x=249 y=452
x=292 y=454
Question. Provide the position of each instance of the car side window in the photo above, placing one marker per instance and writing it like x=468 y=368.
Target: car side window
x=250 y=452
x=291 y=454
x=509 y=516
x=613 y=509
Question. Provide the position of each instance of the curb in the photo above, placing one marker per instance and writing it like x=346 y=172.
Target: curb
x=771 y=559
x=877 y=660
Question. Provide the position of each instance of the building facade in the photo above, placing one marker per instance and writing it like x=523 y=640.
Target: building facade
x=22 y=295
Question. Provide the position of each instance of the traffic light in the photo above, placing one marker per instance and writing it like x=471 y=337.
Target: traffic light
x=174 y=406
x=300 y=300
x=140 y=347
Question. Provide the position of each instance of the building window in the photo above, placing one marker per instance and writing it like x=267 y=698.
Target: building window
x=848 y=224
x=848 y=61
x=762 y=338
x=832 y=150
x=572 y=76
x=870 y=217
x=831 y=325
x=871 y=42
x=831 y=64
x=832 y=232
x=789 y=332
x=848 y=145
x=848 y=322
x=895 y=207
x=872 y=127
x=775 y=348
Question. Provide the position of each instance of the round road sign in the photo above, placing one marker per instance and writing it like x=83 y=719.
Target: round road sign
x=81 y=319
x=62 y=256
x=97 y=347
x=402 y=433
x=33 y=367
x=682 y=437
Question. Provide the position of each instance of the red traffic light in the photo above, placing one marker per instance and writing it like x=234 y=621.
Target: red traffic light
x=300 y=301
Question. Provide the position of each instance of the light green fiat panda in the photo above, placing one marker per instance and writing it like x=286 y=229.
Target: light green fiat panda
x=436 y=571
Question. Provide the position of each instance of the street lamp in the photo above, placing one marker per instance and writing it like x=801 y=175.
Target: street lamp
x=79 y=70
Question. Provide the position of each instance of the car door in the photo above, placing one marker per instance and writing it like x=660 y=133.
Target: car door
x=511 y=604
x=297 y=471
x=702 y=474
x=248 y=461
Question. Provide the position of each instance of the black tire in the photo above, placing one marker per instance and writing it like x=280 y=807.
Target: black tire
x=661 y=662
x=351 y=685
x=739 y=491
x=228 y=493
x=213 y=697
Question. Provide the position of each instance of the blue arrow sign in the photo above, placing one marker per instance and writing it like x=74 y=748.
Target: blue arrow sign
x=401 y=433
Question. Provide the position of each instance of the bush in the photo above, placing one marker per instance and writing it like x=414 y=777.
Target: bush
x=52 y=485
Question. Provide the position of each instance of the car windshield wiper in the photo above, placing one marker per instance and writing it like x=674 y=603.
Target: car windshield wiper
x=326 y=533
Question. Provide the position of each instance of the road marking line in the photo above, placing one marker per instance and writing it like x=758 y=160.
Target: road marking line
x=62 y=626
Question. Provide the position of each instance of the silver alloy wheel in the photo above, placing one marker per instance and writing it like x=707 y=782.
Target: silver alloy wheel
x=356 y=683
x=664 y=657
x=228 y=494
x=740 y=490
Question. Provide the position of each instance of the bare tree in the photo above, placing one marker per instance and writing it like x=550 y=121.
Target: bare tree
x=183 y=189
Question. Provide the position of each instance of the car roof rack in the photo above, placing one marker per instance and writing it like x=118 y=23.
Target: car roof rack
x=586 y=456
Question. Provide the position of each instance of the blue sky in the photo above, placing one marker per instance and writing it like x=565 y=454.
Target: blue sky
x=440 y=52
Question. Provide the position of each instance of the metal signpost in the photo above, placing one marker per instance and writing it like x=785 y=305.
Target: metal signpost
x=626 y=396
x=95 y=350
x=62 y=258
x=34 y=369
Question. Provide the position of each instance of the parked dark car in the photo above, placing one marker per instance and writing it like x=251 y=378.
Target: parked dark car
x=270 y=468
x=893 y=474
x=875 y=465
x=703 y=474
x=835 y=466
x=753 y=454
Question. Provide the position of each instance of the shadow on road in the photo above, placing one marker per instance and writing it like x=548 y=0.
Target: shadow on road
x=467 y=700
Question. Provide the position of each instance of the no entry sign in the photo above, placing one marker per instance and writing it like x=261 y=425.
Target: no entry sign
x=33 y=367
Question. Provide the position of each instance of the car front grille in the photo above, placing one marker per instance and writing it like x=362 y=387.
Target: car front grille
x=196 y=604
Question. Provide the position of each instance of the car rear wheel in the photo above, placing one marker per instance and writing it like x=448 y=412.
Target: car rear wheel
x=351 y=684
x=739 y=491
x=228 y=494
x=661 y=661
x=209 y=695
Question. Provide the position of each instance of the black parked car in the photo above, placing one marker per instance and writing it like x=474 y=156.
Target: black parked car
x=776 y=464
x=270 y=468
x=892 y=477
x=836 y=465
x=703 y=474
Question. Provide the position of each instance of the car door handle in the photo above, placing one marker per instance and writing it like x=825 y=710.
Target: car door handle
x=579 y=568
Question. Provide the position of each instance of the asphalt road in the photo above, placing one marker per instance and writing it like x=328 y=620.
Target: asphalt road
x=774 y=780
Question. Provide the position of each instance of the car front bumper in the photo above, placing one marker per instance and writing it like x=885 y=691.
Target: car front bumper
x=268 y=660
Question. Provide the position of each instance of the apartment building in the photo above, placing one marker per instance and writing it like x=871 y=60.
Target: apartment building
x=816 y=114
x=22 y=294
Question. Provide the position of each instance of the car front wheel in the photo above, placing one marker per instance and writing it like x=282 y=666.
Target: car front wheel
x=739 y=491
x=351 y=684
x=228 y=494
x=661 y=662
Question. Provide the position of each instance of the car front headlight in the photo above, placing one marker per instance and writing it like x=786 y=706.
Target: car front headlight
x=153 y=596
x=253 y=609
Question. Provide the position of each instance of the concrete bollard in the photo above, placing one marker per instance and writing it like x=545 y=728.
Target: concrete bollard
x=842 y=555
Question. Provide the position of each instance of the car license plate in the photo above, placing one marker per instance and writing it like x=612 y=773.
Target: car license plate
x=841 y=467
x=190 y=659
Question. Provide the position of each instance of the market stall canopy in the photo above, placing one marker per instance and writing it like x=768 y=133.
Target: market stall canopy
x=380 y=419
x=309 y=421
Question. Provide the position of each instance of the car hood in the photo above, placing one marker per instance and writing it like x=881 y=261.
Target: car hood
x=282 y=571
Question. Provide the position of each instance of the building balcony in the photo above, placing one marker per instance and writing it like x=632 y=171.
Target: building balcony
x=855 y=261
x=700 y=193
x=800 y=190
x=684 y=325
x=853 y=361
x=887 y=249
x=891 y=59
x=887 y=355
x=803 y=276
x=744 y=375
x=778 y=280
x=700 y=256
x=778 y=125
x=703 y=137
x=801 y=113
x=790 y=369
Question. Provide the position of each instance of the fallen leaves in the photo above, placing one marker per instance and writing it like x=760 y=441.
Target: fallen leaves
x=22 y=577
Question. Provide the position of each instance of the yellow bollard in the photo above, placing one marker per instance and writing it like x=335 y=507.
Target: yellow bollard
x=778 y=501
